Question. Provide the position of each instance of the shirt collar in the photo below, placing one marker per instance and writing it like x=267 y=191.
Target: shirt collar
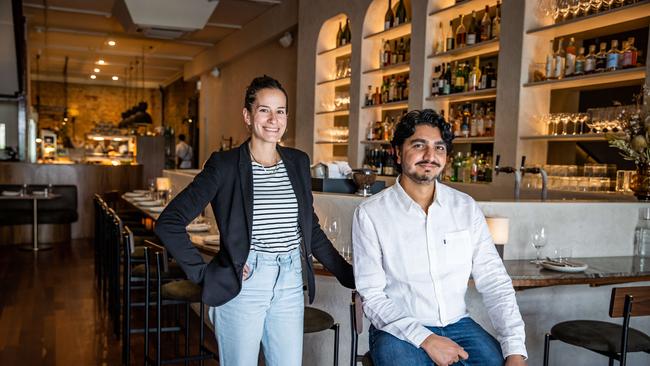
x=407 y=202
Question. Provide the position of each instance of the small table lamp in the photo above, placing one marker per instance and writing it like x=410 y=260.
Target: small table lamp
x=499 y=229
x=163 y=184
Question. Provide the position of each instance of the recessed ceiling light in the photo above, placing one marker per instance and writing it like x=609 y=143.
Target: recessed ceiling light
x=101 y=61
x=96 y=69
x=93 y=77
x=115 y=78
x=111 y=43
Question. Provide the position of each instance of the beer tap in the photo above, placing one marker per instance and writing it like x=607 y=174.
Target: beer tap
x=509 y=170
x=535 y=170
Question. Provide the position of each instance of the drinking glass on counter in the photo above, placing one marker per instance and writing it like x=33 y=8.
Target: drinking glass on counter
x=563 y=254
x=538 y=240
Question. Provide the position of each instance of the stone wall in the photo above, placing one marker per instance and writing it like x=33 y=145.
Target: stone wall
x=88 y=104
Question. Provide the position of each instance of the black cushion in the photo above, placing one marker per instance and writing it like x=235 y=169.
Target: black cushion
x=174 y=271
x=600 y=336
x=317 y=320
x=184 y=290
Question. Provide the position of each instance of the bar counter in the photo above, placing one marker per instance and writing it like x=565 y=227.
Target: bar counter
x=598 y=233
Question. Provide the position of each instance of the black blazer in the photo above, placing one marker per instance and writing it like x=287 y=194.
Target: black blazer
x=226 y=182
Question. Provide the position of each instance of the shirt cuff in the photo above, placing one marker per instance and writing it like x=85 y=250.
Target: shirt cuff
x=418 y=336
x=509 y=349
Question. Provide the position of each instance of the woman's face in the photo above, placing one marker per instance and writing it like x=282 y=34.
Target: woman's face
x=267 y=119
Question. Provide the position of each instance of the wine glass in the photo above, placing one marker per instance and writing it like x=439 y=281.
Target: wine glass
x=574 y=7
x=333 y=228
x=563 y=6
x=152 y=187
x=538 y=240
x=595 y=5
x=585 y=5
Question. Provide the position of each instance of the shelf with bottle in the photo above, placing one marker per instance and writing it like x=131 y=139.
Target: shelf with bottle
x=459 y=7
x=568 y=138
x=376 y=142
x=490 y=93
x=337 y=51
x=389 y=106
x=392 y=94
x=453 y=80
x=483 y=49
x=336 y=82
x=598 y=80
x=394 y=56
x=391 y=69
x=381 y=159
x=475 y=168
x=396 y=21
x=472 y=122
x=393 y=32
x=342 y=112
x=340 y=143
x=469 y=35
x=610 y=18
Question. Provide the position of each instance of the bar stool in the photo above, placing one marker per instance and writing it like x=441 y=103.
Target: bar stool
x=174 y=292
x=608 y=339
x=316 y=320
x=132 y=255
x=356 y=328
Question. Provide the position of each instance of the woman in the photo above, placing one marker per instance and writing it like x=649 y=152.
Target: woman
x=261 y=197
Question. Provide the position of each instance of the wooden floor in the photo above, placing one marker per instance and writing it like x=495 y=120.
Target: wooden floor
x=50 y=313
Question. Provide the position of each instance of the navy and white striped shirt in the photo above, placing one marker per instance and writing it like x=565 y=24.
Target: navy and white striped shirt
x=275 y=210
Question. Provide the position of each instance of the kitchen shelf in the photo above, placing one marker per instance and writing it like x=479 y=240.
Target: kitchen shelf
x=486 y=48
x=344 y=112
x=391 y=69
x=609 y=18
x=576 y=138
x=463 y=8
x=336 y=82
x=625 y=76
x=392 y=33
x=466 y=96
x=389 y=106
x=338 y=51
x=474 y=140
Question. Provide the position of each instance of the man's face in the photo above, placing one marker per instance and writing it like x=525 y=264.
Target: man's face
x=423 y=155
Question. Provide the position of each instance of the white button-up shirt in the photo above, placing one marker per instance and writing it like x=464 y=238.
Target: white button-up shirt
x=412 y=268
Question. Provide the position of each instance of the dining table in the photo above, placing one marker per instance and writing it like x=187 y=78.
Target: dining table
x=34 y=197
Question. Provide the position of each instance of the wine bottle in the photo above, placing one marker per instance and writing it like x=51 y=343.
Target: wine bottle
x=496 y=21
x=550 y=62
x=389 y=18
x=486 y=25
x=580 y=62
x=450 y=37
x=570 y=57
x=471 y=31
x=590 y=60
x=560 y=59
x=601 y=58
x=347 y=33
x=400 y=13
x=339 y=34
x=461 y=33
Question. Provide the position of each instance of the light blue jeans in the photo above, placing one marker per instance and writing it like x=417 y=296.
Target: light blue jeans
x=269 y=309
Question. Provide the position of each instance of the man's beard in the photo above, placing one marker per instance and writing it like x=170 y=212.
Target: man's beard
x=426 y=178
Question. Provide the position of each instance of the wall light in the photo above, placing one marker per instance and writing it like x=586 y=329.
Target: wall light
x=111 y=43
x=93 y=77
x=96 y=69
x=101 y=61
x=115 y=78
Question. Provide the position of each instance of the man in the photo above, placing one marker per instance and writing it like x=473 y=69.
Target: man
x=183 y=153
x=415 y=246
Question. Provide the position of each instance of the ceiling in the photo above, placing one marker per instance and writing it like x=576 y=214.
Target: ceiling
x=81 y=29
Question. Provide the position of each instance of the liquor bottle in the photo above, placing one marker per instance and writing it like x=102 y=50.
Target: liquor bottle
x=580 y=62
x=392 y=89
x=492 y=76
x=489 y=121
x=474 y=76
x=400 y=13
x=570 y=58
x=401 y=51
x=621 y=53
x=376 y=98
x=480 y=122
x=407 y=88
x=442 y=81
x=459 y=84
x=407 y=52
x=601 y=58
x=393 y=54
x=387 y=53
x=384 y=91
x=472 y=30
x=458 y=168
x=560 y=60
x=450 y=37
x=439 y=46
x=435 y=80
x=612 y=57
x=630 y=54
x=486 y=25
x=550 y=61
x=347 y=33
x=488 y=167
x=590 y=60
x=447 y=88
x=461 y=33
x=474 y=168
x=389 y=18
x=339 y=34
x=467 y=168
x=368 y=96
x=464 y=127
x=369 y=134
x=496 y=22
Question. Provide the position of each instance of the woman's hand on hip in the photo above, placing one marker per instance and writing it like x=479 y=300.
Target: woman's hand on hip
x=247 y=272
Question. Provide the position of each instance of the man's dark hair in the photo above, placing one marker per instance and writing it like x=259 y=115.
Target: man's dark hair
x=406 y=128
x=259 y=83
x=181 y=137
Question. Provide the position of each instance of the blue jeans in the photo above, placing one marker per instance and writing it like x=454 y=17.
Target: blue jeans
x=269 y=309
x=483 y=349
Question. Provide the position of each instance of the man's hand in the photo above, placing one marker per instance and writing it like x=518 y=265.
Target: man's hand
x=515 y=360
x=443 y=351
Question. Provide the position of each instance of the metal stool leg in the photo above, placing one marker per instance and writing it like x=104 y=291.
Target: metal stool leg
x=336 y=327
x=547 y=344
x=187 y=332
x=201 y=332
